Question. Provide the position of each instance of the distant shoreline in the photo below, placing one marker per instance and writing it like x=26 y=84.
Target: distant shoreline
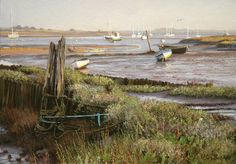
x=56 y=33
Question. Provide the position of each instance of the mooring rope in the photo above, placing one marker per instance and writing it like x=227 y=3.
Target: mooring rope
x=53 y=119
x=59 y=128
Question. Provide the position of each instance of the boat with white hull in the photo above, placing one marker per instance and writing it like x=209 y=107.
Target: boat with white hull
x=79 y=64
x=13 y=35
x=113 y=37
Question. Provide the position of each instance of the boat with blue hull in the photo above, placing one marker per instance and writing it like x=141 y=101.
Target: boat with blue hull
x=163 y=55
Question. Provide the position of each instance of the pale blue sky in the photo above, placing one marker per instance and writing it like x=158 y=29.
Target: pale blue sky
x=122 y=14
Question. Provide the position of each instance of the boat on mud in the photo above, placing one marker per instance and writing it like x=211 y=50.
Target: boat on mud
x=144 y=37
x=163 y=55
x=79 y=64
x=175 y=49
x=113 y=37
x=13 y=34
x=139 y=35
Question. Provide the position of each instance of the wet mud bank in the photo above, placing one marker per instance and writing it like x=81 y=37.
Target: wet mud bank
x=216 y=68
x=9 y=153
x=196 y=66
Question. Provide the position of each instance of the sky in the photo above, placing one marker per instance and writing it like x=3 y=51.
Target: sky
x=120 y=14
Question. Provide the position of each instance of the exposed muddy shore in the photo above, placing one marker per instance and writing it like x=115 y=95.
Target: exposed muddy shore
x=197 y=66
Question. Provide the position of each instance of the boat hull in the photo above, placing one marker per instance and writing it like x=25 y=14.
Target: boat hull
x=79 y=64
x=144 y=37
x=163 y=55
x=113 y=37
x=175 y=49
x=13 y=36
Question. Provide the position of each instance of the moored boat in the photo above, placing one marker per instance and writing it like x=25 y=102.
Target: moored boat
x=163 y=55
x=13 y=35
x=81 y=63
x=113 y=37
x=139 y=35
x=144 y=37
x=175 y=49
x=133 y=36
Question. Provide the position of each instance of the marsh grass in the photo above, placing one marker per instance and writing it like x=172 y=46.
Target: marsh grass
x=155 y=132
x=20 y=124
x=148 y=132
x=198 y=91
x=217 y=38
x=35 y=73
x=14 y=76
x=228 y=42
x=145 y=88
x=205 y=91
x=18 y=120
x=151 y=132
x=212 y=39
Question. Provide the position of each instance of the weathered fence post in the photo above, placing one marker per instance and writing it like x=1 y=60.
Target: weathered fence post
x=53 y=89
x=54 y=79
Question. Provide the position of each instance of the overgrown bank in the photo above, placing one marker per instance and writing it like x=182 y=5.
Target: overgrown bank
x=197 y=91
x=145 y=131
x=219 y=41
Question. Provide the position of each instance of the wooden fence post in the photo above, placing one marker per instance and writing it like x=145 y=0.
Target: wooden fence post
x=54 y=79
x=53 y=89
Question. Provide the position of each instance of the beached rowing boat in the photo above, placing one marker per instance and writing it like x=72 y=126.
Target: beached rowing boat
x=174 y=49
x=81 y=63
x=163 y=55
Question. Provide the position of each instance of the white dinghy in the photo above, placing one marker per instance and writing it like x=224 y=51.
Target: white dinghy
x=79 y=64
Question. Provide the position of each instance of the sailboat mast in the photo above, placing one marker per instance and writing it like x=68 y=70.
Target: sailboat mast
x=172 y=28
x=197 y=31
x=11 y=22
x=187 y=32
